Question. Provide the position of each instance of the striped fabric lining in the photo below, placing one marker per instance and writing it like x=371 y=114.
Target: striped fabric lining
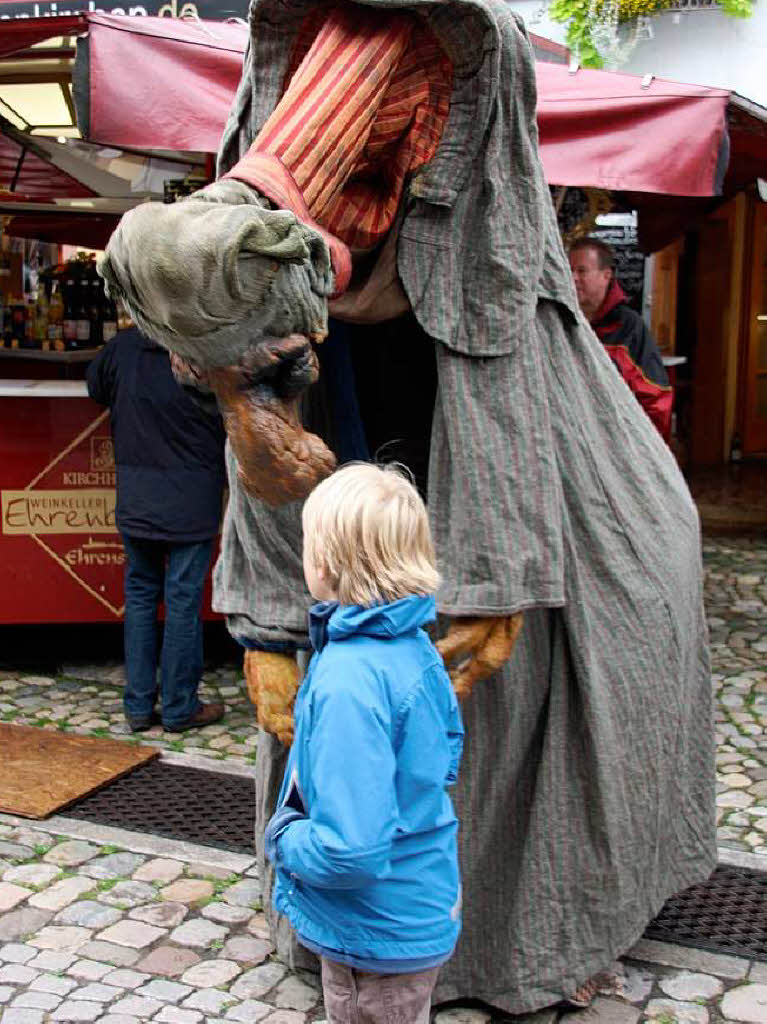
x=365 y=105
x=265 y=173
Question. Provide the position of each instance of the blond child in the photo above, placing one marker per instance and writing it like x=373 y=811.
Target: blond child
x=364 y=837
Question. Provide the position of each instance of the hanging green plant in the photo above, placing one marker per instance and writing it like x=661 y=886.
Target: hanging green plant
x=738 y=8
x=582 y=16
x=577 y=15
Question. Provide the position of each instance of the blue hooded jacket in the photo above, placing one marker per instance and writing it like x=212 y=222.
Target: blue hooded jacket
x=364 y=837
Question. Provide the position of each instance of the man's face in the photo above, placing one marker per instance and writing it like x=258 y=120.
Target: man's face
x=591 y=282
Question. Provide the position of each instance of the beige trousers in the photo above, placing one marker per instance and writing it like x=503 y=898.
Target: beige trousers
x=361 y=997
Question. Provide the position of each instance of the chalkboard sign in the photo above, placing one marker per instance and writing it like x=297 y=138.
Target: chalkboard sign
x=629 y=261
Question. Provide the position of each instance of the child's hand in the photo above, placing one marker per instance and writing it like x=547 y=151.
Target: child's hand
x=273 y=680
x=474 y=648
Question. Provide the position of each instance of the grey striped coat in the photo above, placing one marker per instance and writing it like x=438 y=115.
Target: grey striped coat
x=586 y=796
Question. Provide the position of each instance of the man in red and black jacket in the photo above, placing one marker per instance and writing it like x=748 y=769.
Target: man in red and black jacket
x=622 y=331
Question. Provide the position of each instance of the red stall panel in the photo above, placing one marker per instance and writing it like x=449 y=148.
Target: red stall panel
x=61 y=558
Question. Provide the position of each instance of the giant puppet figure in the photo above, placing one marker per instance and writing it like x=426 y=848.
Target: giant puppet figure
x=381 y=162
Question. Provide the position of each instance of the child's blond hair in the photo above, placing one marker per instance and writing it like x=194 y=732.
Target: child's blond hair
x=367 y=527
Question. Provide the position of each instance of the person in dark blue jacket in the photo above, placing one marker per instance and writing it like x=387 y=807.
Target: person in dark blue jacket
x=364 y=836
x=169 y=454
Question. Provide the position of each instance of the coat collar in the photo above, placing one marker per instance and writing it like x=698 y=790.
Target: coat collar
x=330 y=620
x=614 y=296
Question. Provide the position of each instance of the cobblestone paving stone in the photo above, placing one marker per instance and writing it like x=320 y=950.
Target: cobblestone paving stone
x=98 y=932
x=93 y=957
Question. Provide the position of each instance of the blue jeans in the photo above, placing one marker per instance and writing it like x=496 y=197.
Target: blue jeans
x=159 y=570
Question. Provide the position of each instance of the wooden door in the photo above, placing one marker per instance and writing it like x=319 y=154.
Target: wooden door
x=712 y=286
x=755 y=390
x=665 y=289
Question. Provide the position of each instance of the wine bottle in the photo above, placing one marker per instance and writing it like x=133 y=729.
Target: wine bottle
x=56 y=320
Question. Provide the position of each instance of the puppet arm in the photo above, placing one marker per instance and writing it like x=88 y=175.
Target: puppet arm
x=273 y=681
x=474 y=648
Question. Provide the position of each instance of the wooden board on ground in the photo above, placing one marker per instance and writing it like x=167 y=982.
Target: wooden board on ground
x=42 y=771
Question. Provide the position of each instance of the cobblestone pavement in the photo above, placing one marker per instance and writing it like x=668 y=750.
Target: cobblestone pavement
x=124 y=931
x=87 y=699
x=736 y=605
x=91 y=931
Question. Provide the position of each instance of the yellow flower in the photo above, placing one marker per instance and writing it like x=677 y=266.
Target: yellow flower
x=629 y=9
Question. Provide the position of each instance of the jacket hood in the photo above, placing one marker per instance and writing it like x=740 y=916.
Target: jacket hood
x=332 y=621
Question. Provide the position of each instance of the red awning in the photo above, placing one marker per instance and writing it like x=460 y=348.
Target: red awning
x=166 y=83
x=20 y=33
x=86 y=230
x=33 y=177
x=607 y=130
x=162 y=83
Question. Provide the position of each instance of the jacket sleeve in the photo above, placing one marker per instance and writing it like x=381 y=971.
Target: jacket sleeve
x=346 y=841
x=276 y=825
x=429 y=737
x=101 y=376
x=641 y=366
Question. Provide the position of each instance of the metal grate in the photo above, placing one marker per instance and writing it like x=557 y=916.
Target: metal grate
x=726 y=914
x=190 y=804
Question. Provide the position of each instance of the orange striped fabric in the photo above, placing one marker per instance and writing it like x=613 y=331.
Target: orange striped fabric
x=271 y=178
x=365 y=104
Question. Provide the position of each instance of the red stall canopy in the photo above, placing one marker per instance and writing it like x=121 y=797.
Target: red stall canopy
x=623 y=133
x=26 y=172
x=161 y=83
x=18 y=34
x=167 y=84
x=164 y=83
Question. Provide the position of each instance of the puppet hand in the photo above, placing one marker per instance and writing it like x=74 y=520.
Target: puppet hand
x=474 y=648
x=277 y=460
x=273 y=680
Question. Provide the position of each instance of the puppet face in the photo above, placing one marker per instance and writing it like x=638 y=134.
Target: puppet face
x=341 y=167
x=278 y=460
x=259 y=397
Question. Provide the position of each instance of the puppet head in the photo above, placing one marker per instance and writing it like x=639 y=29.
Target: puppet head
x=235 y=280
x=237 y=292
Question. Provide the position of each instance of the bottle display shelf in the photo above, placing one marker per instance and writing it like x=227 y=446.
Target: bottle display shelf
x=79 y=356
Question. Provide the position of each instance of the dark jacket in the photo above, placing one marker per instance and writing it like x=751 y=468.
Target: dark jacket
x=169 y=453
x=633 y=350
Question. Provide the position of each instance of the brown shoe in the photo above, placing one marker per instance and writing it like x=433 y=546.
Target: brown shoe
x=206 y=714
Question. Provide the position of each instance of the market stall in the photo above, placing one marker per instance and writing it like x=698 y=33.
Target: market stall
x=146 y=101
x=61 y=554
